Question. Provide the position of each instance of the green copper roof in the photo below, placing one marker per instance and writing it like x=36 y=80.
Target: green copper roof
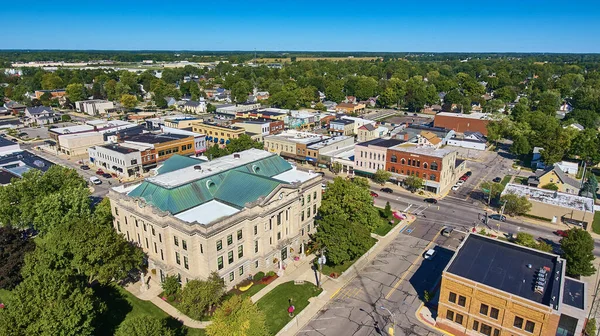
x=177 y=162
x=236 y=186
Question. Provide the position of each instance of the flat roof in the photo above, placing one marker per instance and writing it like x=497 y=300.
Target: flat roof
x=120 y=149
x=551 y=197
x=298 y=137
x=422 y=150
x=342 y=121
x=221 y=126
x=329 y=141
x=156 y=138
x=475 y=115
x=294 y=175
x=72 y=129
x=507 y=267
x=207 y=212
x=5 y=142
x=380 y=142
x=573 y=293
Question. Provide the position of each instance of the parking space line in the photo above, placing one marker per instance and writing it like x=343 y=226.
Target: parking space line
x=397 y=284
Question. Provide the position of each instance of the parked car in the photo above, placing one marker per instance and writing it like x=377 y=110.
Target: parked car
x=497 y=180
x=430 y=200
x=460 y=182
x=429 y=254
x=84 y=167
x=455 y=187
x=106 y=175
x=463 y=178
x=374 y=194
x=95 y=180
x=561 y=233
x=99 y=172
x=498 y=217
x=446 y=232
x=320 y=173
x=469 y=173
x=387 y=190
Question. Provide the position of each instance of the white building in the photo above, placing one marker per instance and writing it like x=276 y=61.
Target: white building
x=199 y=139
x=122 y=160
x=358 y=122
x=94 y=107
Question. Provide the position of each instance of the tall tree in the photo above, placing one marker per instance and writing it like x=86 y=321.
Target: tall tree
x=76 y=92
x=52 y=81
x=13 y=247
x=578 y=247
x=143 y=325
x=128 y=101
x=198 y=295
x=515 y=205
x=238 y=316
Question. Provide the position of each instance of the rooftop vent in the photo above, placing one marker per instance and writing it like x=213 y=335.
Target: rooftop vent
x=198 y=168
x=236 y=156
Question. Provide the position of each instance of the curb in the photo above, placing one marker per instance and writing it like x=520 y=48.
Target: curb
x=427 y=324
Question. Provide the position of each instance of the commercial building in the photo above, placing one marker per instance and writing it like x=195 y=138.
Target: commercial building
x=192 y=219
x=556 y=206
x=94 y=107
x=161 y=146
x=350 y=108
x=8 y=147
x=180 y=122
x=262 y=127
x=268 y=113
x=216 y=133
x=76 y=145
x=321 y=152
x=341 y=127
x=439 y=168
x=302 y=119
x=412 y=132
x=199 y=139
x=292 y=144
x=229 y=112
x=15 y=163
x=370 y=156
x=118 y=159
x=358 y=122
x=58 y=93
x=460 y=123
x=493 y=287
x=470 y=140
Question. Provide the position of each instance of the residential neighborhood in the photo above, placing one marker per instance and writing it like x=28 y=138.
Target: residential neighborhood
x=189 y=186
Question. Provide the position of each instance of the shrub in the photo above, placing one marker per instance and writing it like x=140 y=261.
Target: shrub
x=270 y=273
x=171 y=285
x=258 y=276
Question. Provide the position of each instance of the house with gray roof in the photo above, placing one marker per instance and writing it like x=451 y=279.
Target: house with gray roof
x=40 y=115
x=555 y=175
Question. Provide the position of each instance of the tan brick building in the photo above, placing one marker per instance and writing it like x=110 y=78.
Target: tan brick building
x=496 y=288
x=191 y=219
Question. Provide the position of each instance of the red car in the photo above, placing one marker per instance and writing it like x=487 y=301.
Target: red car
x=562 y=233
x=464 y=178
x=99 y=172
x=374 y=194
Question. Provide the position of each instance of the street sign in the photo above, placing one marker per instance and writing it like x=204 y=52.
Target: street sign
x=322 y=260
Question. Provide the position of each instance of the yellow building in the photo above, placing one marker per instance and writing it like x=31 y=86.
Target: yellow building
x=217 y=134
x=497 y=288
x=554 y=175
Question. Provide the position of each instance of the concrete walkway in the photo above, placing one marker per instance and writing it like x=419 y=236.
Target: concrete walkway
x=332 y=286
x=151 y=294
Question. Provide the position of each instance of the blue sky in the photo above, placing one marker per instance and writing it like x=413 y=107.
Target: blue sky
x=306 y=25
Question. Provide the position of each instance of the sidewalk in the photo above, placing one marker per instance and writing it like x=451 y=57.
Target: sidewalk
x=151 y=294
x=332 y=286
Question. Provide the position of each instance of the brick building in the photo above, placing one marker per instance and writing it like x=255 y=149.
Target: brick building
x=493 y=287
x=460 y=123
x=439 y=168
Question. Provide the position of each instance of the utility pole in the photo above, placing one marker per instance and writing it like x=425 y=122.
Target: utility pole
x=321 y=260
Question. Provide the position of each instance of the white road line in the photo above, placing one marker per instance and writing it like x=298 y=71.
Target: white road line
x=408 y=207
x=325 y=318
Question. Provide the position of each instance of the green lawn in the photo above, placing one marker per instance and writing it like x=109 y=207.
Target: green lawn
x=505 y=180
x=385 y=227
x=276 y=303
x=520 y=180
x=339 y=269
x=122 y=305
x=595 y=227
x=253 y=290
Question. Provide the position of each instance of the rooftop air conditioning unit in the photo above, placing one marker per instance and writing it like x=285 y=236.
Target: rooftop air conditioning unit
x=198 y=168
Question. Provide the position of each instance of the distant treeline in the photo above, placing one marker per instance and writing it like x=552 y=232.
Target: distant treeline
x=8 y=56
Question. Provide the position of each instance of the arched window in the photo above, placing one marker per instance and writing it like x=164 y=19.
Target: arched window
x=432 y=177
x=425 y=165
x=402 y=161
x=394 y=159
x=434 y=166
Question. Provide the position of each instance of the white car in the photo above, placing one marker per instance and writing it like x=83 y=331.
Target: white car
x=95 y=180
x=455 y=187
x=460 y=182
x=429 y=254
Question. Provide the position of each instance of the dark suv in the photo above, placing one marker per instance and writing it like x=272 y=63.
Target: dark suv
x=430 y=200
x=387 y=190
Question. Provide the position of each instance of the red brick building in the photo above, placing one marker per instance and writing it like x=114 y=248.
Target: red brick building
x=460 y=123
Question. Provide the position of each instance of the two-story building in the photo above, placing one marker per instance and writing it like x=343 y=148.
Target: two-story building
x=492 y=287
x=438 y=168
x=370 y=156
x=341 y=127
x=121 y=160
x=194 y=220
x=160 y=147
x=216 y=133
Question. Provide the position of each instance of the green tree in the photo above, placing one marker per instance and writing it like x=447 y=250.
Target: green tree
x=590 y=327
x=194 y=90
x=50 y=302
x=52 y=81
x=110 y=87
x=381 y=176
x=578 y=247
x=334 y=91
x=128 y=101
x=240 y=91
x=238 y=316
x=76 y=92
x=65 y=118
x=515 y=205
x=388 y=98
x=103 y=213
x=586 y=145
x=526 y=239
x=336 y=167
x=550 y=186
x=242 y=143
x=171 y=285
x=520 y=145
x=387 y=211
x=143 y=325
x=492 y=189
x=12 y=256
x=414 y=183
x=366 y=87
x=198 y=295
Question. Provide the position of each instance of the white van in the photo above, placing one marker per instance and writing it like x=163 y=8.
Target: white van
x=95 y=180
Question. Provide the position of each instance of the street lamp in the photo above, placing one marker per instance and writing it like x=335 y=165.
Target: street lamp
x=391 y=329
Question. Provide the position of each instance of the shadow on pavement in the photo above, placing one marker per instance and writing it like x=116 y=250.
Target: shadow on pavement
x=429 y=273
